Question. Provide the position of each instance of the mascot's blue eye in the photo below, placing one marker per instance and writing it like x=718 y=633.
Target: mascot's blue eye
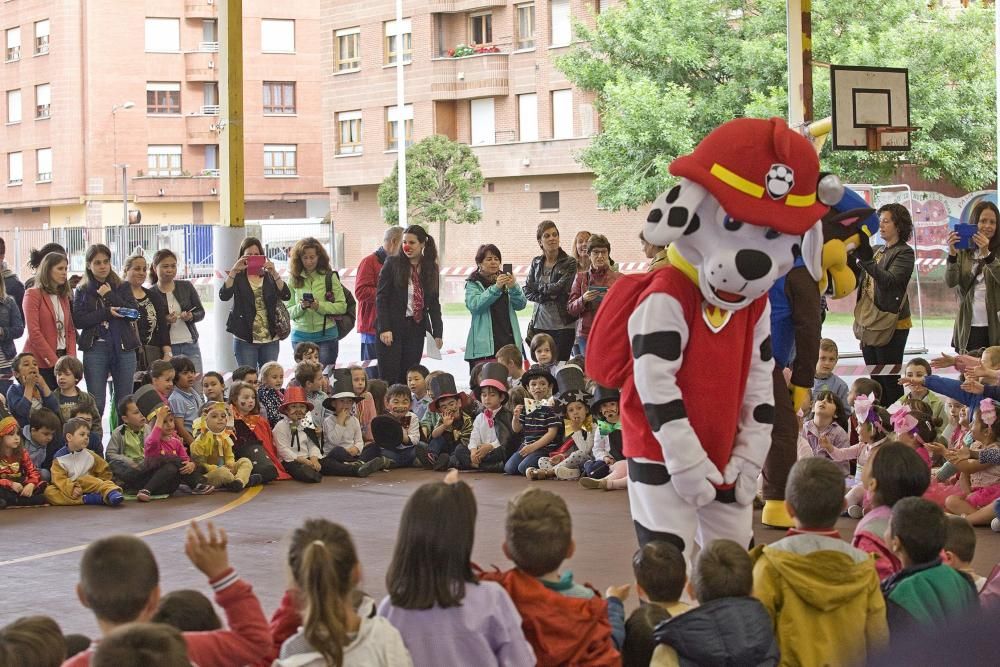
x=731 y=225
x=771 y=234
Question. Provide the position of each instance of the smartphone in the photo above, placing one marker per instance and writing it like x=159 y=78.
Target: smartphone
x=965 y=232
x=255 y=264
x=307 y=296
x=508 y=268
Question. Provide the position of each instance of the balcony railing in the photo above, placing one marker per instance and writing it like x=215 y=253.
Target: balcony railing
x=208 y=47
x=209 y=110
x=202 y=129
x=200 y=66
x=42 y=111
x=201 y=9
x=13 y=53
x=41 y=45
x=481 y=75
x=455 y=6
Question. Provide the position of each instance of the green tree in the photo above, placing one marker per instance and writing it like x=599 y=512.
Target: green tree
x=441 y=178
x=666 y=72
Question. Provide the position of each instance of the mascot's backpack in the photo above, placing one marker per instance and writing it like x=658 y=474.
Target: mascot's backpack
x=611 y=327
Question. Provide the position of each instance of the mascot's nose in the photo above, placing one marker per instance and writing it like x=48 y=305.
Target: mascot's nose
x=752 y=264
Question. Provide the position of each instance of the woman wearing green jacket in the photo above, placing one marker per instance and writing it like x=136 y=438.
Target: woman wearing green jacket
x=317 y=297
x=493 y=298
x=975 y=273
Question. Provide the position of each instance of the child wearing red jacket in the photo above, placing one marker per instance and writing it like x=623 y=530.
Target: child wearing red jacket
x=20 y=482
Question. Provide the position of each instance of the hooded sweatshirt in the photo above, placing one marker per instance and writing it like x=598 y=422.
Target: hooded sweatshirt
x=824 y=599
x=720 y=633
x=928 y=594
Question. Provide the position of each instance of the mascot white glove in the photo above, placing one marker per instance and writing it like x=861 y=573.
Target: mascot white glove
x=695 y=485
x=743 y=474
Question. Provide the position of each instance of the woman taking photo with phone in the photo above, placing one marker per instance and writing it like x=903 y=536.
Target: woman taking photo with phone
x=48 y=317
x=590 y=287
x=257 y=288
x=316 y=298
x=493 y=297
x=105 y=311
x=184 y=308
x=974 y=271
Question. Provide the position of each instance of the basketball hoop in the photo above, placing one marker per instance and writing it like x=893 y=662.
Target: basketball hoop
x=870 y=108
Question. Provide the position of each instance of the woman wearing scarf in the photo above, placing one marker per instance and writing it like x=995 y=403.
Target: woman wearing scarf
x=590 y=286
x=493 y=298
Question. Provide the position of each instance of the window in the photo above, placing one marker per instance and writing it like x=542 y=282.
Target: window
x=163 y=160
x=210 y=98
x=562 y=31
x=477 y=203
x=163 y=35
x=348 y=50
x=13 y=51
x=15 y=169
x=279 y=160
x=391 y=118
x=210 y=30
x=481 y=28
x=602 y=6
x=43 y=160
x=163 y=97
x=525 y=26
x=548 y=201
x=211 y=160
x=279 y=97
x=390 y=42
x=13 y=106
x=41 y=37
x=277 y=35
x=349 y=132
x=527 y=117
x=562 y=114
x=43 y=100
x=483 y=121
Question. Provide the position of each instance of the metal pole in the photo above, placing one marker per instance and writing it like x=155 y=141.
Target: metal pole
x=123 y=242
x=996 y=43
x=796 y=109
x=400 y=123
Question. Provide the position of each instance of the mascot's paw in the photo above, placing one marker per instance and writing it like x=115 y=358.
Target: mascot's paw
x=775 y=515
x=864 y=250
x=696 y=485
x=800 y=396
x=743 y=474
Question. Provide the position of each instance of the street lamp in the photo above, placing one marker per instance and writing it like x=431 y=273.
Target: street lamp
x=114 y=131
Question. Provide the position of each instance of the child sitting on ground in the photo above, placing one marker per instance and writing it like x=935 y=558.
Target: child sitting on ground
x=332 y=631
x=69 y=372
x=492 y=438
x=979 y=485
x=960 y=548
x=212 y=450
x=164 y=446
x=142 y=645
x=543 y=351
x=161 y=377
x=431 y=586
x=926 y=592
x=917 y=370
x=119 y=582
x=252 y=437
x=565 y=622
x=416 y=380
x=861 y=387
x=213 y=385
x=511 y=358
x=405 y=452
x=536 y=420
x=126 y=456
x=826 y=427
x=185 y=401
x=660 y=575
x=609 y=469
x=188 y=611
x=247 y=374
x=40 y=439
x=956 y=428
x=728 y=627
x=364 y=409
x=79 y=476
x=873 y=429
x=345 y=452
x=20 y=483
x=32 y=641
x=378 y=389
x=812 y=578
x=826 y=379
x=86 y=413
x=894 y=471
x=573 y=404
x=309 y=376
x=30 y=391
x=446 y=425
x=269 y=392
x=297 y=439
x=915 y=426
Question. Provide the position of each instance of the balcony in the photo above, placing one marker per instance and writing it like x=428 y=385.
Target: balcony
x=202 y=128
x=482 y=75
x=201 y=9
x=530 y=158
x=200 y=66
x=179 y=188
x=456 y=6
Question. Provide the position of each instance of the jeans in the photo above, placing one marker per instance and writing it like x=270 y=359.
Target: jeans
x=580 y=346
x=328 y=349
x=255 y=355
x=102 y=361
x=401 y=458
x=564 y=339
x=517 y=464
x=888 y=354
x=189 y=350
x=370 y=351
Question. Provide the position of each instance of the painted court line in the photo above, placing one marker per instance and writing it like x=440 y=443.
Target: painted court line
x=245 y=497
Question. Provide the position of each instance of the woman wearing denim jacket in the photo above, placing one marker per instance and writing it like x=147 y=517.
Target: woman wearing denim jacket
x=184 y=308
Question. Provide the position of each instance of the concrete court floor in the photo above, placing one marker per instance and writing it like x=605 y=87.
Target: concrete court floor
x=36 y=581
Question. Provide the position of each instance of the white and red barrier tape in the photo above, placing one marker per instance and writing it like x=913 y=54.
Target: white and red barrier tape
x=290 y=372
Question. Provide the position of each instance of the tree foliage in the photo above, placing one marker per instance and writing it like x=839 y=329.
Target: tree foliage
x=441 y=178
x=666 y=72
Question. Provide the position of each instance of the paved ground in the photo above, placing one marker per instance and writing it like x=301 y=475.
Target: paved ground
x=42 y=547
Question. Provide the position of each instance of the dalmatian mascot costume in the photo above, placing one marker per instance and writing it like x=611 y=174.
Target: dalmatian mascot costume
x=693 y=358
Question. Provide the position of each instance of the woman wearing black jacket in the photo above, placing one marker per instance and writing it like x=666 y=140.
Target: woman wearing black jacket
x=107 y=336
x=252 y=320
x=154 y=332
x=550 y=280
x=407 y=305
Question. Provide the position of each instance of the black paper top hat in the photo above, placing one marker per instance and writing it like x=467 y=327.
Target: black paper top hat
x=147 y=400
x=601 y=396
x=572 y=386
x=537 y=370
x=442 y=387
x=387 y=432
x=343 y=387
x=492 y=375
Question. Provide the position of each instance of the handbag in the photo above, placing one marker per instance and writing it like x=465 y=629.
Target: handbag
x=282 y=320
x=872 y=326
x=345 y=322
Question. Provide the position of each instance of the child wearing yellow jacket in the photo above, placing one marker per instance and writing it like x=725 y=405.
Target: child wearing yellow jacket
x=212 y=450
x=79 y=476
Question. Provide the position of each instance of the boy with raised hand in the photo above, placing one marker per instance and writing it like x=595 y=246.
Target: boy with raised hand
x=813 y=579
x=119 y=582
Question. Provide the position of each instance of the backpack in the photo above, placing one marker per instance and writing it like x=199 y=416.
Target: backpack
x=345 y=323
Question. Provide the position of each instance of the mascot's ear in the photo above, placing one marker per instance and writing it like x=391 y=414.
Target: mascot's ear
x=674 y=213
x=812 y=252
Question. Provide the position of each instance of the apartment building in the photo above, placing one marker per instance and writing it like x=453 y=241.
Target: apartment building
x=480 y=72
x=86 y=87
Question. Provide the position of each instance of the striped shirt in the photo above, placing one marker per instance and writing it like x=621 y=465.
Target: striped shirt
x=537 y=423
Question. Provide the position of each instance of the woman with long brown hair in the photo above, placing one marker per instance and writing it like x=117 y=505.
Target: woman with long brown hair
x=316 y=299
x=184 y=308
x=974 y=272
x=48 y=316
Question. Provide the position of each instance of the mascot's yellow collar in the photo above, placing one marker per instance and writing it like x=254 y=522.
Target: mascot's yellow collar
x=716 y=318
x=678 y=262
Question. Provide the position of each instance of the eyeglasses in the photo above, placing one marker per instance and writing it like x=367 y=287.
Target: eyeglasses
x=599 y=253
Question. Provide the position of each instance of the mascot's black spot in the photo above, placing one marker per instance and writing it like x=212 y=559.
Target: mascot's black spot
x=765 y=350
x=796 y=251
x=646 y=536
x=693 y=225
x=663 y=344
x=658 y=414
x=674 y=193
x=678 y=217
x=764 y=414
x=731 y=225
x=655 y=215
x=771 y=234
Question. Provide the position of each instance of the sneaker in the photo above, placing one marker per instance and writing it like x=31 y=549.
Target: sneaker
x=442 y=462
x=114 y=498
x=995 y=525
x=533 y=474
x=565 y=473
x=203 y=490
x=236 y=486
x=590 y=483
x=386 y=462
x=369 y=467
x=184 y=488
x=92 y=499
x=855 y=511
x=3 y=503
x=144 y=496
x=255 y=480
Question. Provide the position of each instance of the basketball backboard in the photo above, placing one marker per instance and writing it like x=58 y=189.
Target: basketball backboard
x=865 y=98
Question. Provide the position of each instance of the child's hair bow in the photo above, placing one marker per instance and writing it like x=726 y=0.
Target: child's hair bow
x=988 y=411
x=863 y=411
x=903 y=420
